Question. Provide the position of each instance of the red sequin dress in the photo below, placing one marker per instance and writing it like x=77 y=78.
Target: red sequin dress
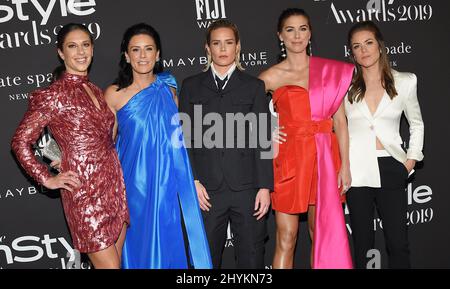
x=97 y=211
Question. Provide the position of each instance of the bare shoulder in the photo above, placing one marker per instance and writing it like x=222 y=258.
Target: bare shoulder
x=271 y=77
x=112 y=95
x=111 y=91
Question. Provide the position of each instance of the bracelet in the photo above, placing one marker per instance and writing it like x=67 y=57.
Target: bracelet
x=196 y=181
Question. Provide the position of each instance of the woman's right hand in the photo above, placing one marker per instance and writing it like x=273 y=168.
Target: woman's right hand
x=67 y=180
x=203 y=196
x=279 y=136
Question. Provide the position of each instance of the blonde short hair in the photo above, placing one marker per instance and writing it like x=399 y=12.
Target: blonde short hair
x=223 y=24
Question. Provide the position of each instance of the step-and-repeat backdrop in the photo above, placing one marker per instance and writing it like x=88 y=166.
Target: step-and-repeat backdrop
x=33 y=231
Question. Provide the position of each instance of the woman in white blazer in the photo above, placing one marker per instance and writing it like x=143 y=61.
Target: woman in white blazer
x=379 y=166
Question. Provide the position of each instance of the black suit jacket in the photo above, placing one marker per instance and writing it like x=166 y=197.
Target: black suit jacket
x=241 y=167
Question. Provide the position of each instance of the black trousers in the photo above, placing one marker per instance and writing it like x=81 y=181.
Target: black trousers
x=391 y=203
x=236 y=207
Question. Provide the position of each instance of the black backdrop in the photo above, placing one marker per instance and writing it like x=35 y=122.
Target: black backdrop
x=33 y=232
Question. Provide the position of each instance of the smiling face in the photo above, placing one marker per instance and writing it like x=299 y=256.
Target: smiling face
x=365 y=48
x=223 y=48
x=142 y=53
x=77 y=51
x=295 y=34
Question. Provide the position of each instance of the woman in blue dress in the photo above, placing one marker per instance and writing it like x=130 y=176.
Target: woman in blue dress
x=158 y=178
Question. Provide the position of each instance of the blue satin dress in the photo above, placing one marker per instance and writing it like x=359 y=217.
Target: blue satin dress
x=159 y=183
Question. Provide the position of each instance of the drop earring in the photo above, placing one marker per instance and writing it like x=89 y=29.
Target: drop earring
x=310 y=48
x=283 y=50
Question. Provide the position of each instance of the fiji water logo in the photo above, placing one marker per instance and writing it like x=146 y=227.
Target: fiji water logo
x=209 y=11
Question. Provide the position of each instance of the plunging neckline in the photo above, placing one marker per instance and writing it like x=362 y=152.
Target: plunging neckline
x=139 y=92
x=377 y=106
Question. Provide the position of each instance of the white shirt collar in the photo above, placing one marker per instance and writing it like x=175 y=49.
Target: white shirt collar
x=222 y=77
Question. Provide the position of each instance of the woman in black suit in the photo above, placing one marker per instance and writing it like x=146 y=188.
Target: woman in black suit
x=233 y=182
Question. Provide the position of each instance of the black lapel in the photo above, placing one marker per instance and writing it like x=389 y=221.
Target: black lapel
x=209 y=81
x=235 y=81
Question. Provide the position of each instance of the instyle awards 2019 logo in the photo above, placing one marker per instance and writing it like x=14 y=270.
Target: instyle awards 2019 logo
x=209 y=11
x=381 y=11
x=30 y=249
x=38 y=13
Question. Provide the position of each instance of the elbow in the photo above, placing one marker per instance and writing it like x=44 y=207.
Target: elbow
x=15 y=144
x=340 y=128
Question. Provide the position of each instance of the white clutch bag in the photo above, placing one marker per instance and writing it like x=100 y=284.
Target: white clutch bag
x=51 y=150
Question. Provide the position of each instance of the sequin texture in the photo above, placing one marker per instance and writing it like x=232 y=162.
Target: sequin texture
x=97 y=210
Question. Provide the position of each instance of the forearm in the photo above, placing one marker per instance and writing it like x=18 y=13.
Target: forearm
x=416 y=126
x=341 y=131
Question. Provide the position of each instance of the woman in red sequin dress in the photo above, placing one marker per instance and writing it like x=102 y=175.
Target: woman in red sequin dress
x=90 y=178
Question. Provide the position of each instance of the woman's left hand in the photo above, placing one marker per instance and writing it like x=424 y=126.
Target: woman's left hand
x=344 y=179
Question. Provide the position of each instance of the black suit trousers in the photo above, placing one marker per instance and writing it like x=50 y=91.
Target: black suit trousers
x=236 y=207
x=391 y=203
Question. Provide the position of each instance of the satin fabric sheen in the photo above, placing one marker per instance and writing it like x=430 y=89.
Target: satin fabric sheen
x=307 y=166
x=159 y=183
x=329 y=82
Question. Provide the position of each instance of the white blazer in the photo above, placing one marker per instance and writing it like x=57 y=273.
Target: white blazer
x=364 y=128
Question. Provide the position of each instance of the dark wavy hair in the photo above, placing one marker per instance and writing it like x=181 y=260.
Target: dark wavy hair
x=358 y=86
x=285 y=15
x=125 y=77
x=61 y=37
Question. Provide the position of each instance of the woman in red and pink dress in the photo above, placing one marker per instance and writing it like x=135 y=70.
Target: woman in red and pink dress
x=90 y=178
x=311 y=170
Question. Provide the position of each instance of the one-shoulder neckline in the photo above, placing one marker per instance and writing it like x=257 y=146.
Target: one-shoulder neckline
x=289 y=85
x=139 y=92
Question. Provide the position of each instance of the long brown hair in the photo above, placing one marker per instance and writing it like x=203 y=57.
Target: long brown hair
x=358 y=86
x=222 y=23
